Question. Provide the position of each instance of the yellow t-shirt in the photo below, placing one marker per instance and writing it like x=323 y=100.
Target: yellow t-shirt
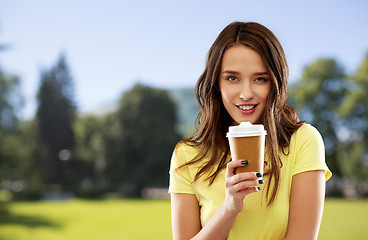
x=256 y=221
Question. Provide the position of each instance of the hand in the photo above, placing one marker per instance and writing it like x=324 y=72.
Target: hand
x=237 y=186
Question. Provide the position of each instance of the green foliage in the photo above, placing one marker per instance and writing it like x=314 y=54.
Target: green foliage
x=130 y=149
x=16 y=138
x=88 y=131
x=355 y=107
x=354 y=110
x=56 y=110
x=10 y=101
x=351 y=158
x=55 y=116
x=90 y=150
x=115 y=161
x=147 y=121
x=337 y=105
x=318 y=94
x=11 y=156
x=26 y=145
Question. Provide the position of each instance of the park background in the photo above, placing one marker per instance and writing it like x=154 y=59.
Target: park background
x=94 y=95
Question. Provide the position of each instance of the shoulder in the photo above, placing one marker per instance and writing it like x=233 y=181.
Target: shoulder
x=308 y=151
x=306 y=133
x=307 y=128
x=185 y=151
x=184 y=147
x=307 y=142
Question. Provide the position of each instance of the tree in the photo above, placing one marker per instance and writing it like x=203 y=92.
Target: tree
x=354 y=110
x=10 y=103
x=318 y=95
x=15 y=150
x=115 y=162
x=147 y=122
x=55 y=116
x=354 y=107
x=90 y=150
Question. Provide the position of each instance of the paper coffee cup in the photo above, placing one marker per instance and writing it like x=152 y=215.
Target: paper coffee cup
x=247 y=142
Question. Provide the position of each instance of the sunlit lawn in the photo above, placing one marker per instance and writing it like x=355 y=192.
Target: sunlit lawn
x=345 y=219
x=77 y=219
x=142 y=219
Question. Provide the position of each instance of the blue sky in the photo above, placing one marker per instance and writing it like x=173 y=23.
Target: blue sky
x=110 y=44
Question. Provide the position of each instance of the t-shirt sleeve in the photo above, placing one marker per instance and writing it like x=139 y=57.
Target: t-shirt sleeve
x=180 y=180
x=310 y=151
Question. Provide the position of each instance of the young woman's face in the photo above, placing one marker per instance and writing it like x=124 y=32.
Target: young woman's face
x=244 y=84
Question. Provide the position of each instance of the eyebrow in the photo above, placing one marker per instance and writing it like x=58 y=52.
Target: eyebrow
x=235 y=72
x=261 y=73
x=229 y=72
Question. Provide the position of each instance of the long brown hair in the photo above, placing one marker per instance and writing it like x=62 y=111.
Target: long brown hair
x=279 y=118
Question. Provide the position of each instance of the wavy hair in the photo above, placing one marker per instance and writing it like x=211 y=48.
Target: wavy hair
x=279 y=118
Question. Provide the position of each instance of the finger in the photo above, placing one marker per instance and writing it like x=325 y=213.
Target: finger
x=230 y=170
x=243 y=193
x=247 y=191
x=251 y=177
x=244 y=185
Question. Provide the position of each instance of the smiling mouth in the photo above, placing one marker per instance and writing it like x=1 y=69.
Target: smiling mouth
x=246 y=107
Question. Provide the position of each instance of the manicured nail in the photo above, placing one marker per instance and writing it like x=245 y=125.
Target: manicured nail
x=259 y=189
x=260 y=181
x=244 y=162
x=259 y=174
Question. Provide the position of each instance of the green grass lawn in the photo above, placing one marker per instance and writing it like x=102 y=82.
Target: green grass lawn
x=79 y=220
x=345 y=219
x=141 y=219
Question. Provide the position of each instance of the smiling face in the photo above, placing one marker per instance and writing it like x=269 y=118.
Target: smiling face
x=244 y=84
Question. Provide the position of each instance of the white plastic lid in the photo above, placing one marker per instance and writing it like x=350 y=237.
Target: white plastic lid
x=246 y=129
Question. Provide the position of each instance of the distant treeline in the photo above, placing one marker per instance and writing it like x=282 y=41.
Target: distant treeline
x=129 y=148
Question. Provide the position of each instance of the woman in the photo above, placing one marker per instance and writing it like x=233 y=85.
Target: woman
x=245 y=79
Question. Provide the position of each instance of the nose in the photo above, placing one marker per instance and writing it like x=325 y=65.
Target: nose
x=246 y=91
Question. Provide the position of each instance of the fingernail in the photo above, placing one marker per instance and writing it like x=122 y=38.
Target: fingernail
x=259 y=189
x=259 y=174
x=244 y=162
x=260 y=181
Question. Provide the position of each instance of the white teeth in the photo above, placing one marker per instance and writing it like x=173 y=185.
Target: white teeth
x=248 y=107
